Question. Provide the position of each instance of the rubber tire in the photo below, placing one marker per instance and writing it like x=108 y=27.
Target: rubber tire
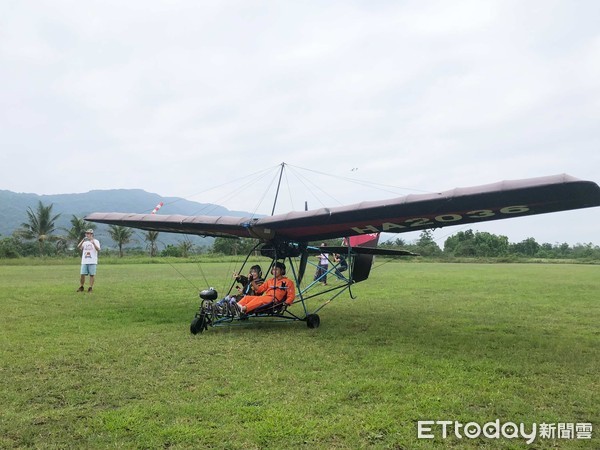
x=313 y=321
x=197 y=325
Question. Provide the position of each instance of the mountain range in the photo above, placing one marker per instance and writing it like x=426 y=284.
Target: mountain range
x=13 y=209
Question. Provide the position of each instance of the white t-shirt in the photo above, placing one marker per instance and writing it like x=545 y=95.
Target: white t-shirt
x=324 y=259
x=89 y=253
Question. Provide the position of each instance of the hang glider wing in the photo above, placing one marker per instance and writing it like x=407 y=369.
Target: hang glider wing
x=218 y=226
x=459 y=206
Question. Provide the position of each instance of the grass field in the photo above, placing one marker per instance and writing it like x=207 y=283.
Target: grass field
x=461 y=342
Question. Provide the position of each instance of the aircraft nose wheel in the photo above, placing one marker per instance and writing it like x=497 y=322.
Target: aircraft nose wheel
x=198 y=324
x=313 y=321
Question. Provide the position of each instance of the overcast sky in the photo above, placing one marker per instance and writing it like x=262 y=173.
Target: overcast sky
x=176 y=97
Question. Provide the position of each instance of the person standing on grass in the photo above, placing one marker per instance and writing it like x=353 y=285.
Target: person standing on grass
x=89 y=258
x=341 y=266
x=322 y=267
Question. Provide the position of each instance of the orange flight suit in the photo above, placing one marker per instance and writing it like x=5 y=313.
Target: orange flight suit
x=272 y=290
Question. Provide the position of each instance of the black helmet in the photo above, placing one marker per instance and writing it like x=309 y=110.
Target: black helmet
x=281 y=266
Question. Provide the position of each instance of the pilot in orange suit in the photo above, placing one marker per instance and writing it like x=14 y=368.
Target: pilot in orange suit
x=276 y=289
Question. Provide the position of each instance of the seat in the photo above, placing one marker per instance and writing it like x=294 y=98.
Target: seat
x=275 y=308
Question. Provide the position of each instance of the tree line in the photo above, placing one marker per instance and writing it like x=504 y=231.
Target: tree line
x=39 y=236
x=483 y=245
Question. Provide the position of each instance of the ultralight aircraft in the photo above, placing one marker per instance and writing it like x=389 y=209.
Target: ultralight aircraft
x=287 y=237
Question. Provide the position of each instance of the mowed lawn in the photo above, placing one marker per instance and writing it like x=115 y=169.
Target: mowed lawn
x=422 y=341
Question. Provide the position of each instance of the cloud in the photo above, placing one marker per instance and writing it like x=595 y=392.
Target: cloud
x=174 y=97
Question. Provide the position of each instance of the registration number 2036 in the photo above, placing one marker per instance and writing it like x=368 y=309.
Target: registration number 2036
x=443 y=219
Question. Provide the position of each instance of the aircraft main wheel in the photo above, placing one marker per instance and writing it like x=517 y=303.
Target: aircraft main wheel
x=313 y=321
x=197 y=325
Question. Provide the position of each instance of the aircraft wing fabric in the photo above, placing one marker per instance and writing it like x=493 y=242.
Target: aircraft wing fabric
x=502 y=200
x=227 y=226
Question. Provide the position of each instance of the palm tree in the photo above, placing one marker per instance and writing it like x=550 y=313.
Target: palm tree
x=40 y=226
x=185 y=247
x=151 y=237
x=121 y=235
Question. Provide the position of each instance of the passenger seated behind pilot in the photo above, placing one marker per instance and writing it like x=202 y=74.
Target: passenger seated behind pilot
x=254 y=274
x=275 y=290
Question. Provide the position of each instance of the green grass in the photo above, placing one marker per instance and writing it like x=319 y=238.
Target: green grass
x=466 y=342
